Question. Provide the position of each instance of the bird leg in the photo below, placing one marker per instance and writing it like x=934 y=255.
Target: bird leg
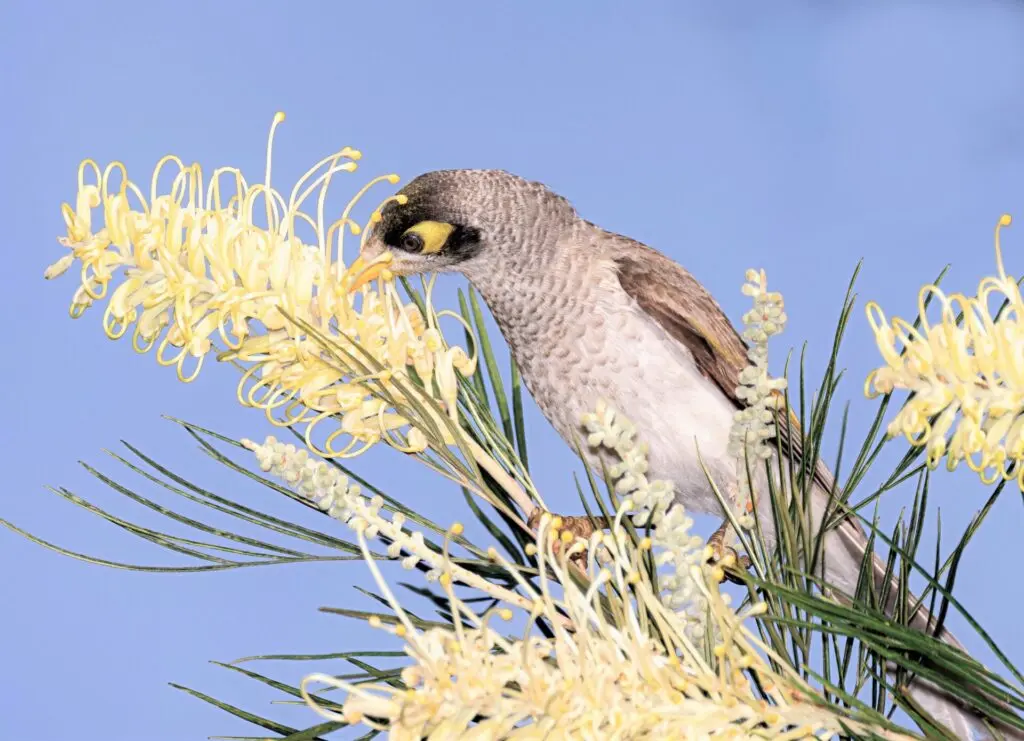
x=581 y=526
x=726 y=555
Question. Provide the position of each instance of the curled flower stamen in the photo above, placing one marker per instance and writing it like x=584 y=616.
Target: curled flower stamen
x=197 y=269
x=965 y=374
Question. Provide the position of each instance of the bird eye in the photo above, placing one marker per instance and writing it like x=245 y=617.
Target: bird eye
x=426 y=237
x=412 y=242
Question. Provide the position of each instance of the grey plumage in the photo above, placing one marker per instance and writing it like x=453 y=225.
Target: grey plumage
x=593 y=315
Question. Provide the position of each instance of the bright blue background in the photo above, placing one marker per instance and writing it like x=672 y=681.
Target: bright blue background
x=795 y=136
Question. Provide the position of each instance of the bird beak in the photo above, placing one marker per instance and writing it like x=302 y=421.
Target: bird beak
x=362 y=272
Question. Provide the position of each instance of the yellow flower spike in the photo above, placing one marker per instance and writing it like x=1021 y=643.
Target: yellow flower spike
x=198 y=271
x=970 y=374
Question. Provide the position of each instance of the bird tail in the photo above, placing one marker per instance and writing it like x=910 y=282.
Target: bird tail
x=845 y=548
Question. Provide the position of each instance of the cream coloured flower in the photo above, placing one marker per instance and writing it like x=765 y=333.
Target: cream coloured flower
x=331 y=491
x=754 y=425
x=619 y=664
x=653 y=502
x=966 y=376
x=197 y=268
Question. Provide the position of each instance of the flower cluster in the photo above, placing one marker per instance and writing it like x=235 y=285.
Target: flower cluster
x=614 y=666
x=754 y=425
x=198 y=269
x=650 y=501
x=965 y=371
x=327 y=487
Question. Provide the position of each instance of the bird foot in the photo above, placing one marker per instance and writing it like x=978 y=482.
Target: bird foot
x=579 y=527
x=725 y=556
x=582 y=526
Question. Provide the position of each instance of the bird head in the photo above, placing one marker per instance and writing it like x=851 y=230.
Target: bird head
x=453 y=220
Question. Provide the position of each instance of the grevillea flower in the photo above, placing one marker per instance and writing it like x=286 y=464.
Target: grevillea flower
x=331 y=490
x=653 y=502
x=965 y=375
x=197 y=268
x=754 y=425
x=619 y=664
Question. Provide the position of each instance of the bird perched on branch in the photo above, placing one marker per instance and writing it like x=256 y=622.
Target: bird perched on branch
x=593 y=315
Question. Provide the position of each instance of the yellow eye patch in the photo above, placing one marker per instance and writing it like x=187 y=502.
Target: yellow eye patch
x=433 y=233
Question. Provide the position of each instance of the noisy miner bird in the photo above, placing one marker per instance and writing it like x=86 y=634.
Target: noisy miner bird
x=592 y=315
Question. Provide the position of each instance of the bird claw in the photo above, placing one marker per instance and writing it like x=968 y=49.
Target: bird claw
x=725 y=556
x=581 y=527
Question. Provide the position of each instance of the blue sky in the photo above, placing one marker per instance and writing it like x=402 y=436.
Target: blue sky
x=798 y=137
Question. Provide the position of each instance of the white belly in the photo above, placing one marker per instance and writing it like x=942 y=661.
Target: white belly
x=617 y=354
x=685 y=420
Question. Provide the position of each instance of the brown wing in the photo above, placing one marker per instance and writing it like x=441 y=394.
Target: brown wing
x=687 y=312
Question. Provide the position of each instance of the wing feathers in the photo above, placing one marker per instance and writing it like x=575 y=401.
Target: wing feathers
x=684 y=309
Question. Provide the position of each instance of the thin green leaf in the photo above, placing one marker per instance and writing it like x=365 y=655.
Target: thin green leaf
x=519 y=418
x=270 y=725
x=492 y=366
